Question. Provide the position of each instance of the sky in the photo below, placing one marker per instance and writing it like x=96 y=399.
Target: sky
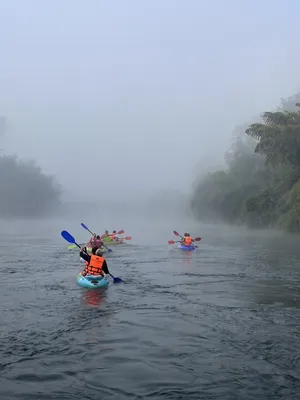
x=129 y=97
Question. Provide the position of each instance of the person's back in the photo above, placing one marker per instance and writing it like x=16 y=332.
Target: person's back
x=95 y=263
x=97 y=242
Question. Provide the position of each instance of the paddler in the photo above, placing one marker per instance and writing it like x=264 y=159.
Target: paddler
x=187 y=240
x=113 y=236
x=105 y=235
x=95 y=264
x=95 y=241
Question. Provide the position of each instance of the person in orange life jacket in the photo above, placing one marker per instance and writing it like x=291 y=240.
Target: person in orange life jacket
x=187 y=240
x=95 y=264
x=113 y=236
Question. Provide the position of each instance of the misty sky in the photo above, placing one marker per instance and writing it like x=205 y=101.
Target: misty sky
x=139 y=90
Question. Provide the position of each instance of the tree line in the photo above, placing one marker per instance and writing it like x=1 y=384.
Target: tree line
x=260 y=183
x=25 y=191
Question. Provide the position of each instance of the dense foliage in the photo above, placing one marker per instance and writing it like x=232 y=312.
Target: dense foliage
x=24 y=190
x=260 y=185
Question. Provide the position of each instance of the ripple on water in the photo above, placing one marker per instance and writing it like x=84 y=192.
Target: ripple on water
x=221 y=323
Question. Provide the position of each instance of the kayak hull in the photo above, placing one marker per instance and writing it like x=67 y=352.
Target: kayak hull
x=92 y=282
x=113 y=243
x=103 y=250
x=186 y=248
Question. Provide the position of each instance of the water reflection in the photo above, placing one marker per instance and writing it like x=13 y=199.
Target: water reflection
x=93 y=297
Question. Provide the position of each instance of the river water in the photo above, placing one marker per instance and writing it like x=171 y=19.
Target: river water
x=221 y=323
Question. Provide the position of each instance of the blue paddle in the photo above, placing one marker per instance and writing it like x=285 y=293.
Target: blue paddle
x=116 y=279
x=87 y=229
x=69 y=238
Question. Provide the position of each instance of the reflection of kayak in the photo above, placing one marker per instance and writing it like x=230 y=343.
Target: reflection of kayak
x=92 y=282
x=186 y=248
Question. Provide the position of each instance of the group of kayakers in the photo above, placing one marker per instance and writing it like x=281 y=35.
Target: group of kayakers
x=96 y=264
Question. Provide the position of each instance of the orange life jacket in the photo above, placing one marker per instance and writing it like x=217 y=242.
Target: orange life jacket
x=187 y=241
x=112 y=235
x=94 y=267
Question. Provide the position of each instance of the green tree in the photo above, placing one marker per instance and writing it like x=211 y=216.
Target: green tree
x=24 y=190
x=260 y=184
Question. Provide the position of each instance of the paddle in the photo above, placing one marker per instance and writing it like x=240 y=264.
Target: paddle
x=73 y=246
x=87 y=229
x=126 y=238
x=110 y=239
x=197 y=239
x=69 y=238
x=116 y=280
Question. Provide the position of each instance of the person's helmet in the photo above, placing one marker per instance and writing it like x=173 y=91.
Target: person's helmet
x=114 y=231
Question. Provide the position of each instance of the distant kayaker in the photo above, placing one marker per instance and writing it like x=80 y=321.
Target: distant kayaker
x=95 y=264
x=113 y=236
x=105 y=235
x=187 y=240
x=95 y=242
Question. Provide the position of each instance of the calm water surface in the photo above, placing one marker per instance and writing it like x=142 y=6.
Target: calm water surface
x=222 y=323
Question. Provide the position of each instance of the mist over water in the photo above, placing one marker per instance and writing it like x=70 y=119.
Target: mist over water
x=218 y=323
x=125 y=105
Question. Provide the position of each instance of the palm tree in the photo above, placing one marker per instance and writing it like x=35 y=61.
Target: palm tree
x=278 y=137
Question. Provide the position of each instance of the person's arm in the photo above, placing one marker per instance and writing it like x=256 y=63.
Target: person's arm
x=85 y=256
x=105 y=268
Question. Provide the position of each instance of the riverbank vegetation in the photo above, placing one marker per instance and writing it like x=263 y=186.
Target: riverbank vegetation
x=25 y=191
x=260 y=183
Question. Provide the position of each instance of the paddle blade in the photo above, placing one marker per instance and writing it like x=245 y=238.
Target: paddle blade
x=84 y=227
x=69 y=238
x=197 y=239
x=118 y=280
x=109 y=250
x=171 y=242
x=121 y=232
x=176 y=233
x=127 y=238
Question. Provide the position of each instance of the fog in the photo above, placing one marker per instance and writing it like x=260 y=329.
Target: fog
x=121 y=100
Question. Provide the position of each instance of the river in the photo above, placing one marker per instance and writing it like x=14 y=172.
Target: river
x=221 y=323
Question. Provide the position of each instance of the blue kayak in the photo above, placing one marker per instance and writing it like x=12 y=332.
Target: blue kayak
x=92 y=281
x=187 y=248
